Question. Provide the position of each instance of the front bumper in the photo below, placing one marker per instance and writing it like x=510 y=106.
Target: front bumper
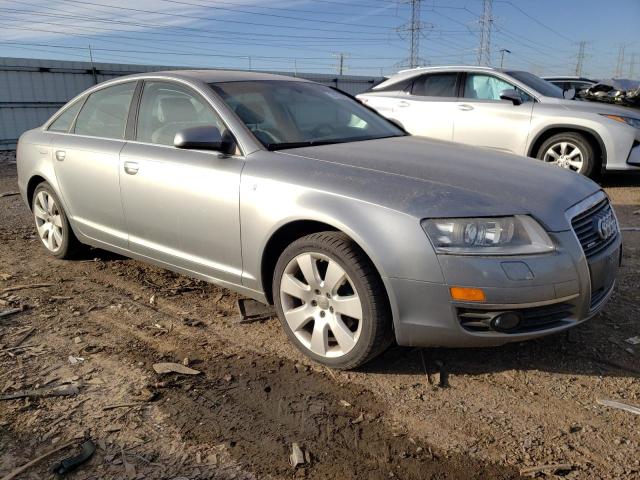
x=554 y=292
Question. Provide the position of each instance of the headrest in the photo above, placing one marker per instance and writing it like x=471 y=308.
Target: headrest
x=177 y=109
x=250 y=113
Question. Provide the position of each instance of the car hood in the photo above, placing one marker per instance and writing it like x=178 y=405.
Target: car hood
x=595 y=107
x=430 y=178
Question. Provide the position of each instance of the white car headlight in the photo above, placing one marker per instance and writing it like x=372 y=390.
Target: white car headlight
x=634 y=122
x=517 y=235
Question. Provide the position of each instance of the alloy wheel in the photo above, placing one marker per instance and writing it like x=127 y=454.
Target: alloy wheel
x=566 y=155
x=48 y=221
x=321 y=305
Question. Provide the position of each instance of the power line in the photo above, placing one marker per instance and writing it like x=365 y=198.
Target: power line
x=531 y=17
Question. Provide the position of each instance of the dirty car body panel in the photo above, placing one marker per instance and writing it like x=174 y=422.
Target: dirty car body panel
x=212 y=215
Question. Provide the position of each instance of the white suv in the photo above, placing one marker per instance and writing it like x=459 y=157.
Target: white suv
x=513 y=111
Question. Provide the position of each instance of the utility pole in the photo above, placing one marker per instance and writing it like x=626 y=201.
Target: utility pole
x=620 y=64
x=340 y=66
x=580 y=58
x=93 y=68
x=486 y=24
x=414 y=28
x=502 y=52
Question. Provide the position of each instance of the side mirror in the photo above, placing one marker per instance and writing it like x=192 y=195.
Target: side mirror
x=512 y=95
x=569 y=94
x=204 y=137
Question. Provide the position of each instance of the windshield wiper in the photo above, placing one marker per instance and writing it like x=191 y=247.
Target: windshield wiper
x=315 y=143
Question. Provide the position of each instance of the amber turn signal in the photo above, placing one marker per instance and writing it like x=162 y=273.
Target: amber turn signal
x=465 y=294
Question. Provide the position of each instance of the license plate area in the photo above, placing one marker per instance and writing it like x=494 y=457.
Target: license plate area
x=603 y=272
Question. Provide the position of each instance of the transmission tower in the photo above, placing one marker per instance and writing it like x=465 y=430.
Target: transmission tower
x=620 y=64
x=414 y=28
x=486 y=24
x=580 y=58
x=632 y=66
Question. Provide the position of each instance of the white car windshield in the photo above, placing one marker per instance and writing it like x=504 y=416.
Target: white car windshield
x=538 y=84
x=288 y=114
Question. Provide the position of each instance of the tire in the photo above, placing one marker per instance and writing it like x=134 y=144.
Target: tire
x=321 y=317
x=552 y=151
x=52 y=224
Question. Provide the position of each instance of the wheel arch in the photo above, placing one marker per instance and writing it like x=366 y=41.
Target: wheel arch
x=592 y=136
x=32 y=184
x=287 y=233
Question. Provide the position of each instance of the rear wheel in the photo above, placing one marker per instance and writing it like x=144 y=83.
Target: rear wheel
x=52 y=224
x=569 y=150
x=331 y=301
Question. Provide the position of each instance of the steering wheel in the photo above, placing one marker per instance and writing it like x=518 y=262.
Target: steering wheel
x=323 y=130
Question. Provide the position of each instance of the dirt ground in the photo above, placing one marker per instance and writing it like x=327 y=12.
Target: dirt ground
x=101 y=322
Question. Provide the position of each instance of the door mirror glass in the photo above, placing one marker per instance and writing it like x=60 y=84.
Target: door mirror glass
x=511 y=95
x=204 y=137
x=569 y=94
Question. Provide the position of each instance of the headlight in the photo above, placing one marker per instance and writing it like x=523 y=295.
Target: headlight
x=516 y=235
x=634 y=122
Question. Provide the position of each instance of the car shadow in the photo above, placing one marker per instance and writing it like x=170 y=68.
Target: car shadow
x=591 y=349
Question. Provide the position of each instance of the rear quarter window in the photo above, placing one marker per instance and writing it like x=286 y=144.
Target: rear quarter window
x=65 y=119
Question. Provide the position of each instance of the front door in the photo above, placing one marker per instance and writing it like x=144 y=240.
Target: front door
x=181 y=206
x=86 y=164
x=483 y=119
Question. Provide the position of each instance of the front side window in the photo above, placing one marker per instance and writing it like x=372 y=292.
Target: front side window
x=64 y=121
x=479 y=86
x=167 y=108
x=435 y=85
x=287 y=114
x=105 y=112
x=536 y=83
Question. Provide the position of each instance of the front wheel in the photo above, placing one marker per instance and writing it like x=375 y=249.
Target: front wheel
x=569 y=150
x=331 y=301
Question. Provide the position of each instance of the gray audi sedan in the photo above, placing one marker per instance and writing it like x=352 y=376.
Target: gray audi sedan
x=295 y=194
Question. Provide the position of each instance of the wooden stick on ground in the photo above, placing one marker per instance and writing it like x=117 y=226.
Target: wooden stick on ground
x=11 y=311
x=620 y=406
x=24 y=287
x=27 y=465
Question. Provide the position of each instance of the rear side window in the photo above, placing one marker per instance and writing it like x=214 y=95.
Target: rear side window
x=435 y=85
x=105 y=112
x=64 y=121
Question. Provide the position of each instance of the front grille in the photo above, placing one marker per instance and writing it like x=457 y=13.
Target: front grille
x=533 y=318
x=585 y=225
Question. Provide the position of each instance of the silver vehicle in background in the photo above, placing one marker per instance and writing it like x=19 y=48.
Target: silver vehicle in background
x=512 y=111
x=295 y=194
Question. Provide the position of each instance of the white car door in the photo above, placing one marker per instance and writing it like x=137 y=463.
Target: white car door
x=483 y=119
x=428 y=106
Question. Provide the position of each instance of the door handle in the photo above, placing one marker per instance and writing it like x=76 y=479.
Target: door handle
x=131 y=167
x=464 y=107
x=403 y=103
x=60 y=155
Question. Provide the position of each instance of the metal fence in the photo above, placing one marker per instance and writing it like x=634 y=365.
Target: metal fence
x=31 y=90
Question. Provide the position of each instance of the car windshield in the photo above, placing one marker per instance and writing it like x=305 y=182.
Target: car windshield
x=541 y=86
x=288 y=114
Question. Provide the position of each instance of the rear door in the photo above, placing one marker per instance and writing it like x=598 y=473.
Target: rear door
x=428 y=106
x=86 y=159
x=181 y=206
x=483 y=119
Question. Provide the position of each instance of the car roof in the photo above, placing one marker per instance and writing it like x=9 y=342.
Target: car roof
x=214 y=76
x=413 y=72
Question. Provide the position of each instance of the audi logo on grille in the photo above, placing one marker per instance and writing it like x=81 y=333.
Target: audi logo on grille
x=606 y=226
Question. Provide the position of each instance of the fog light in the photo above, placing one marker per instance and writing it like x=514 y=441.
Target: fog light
x=506 y=321
x=465 y=294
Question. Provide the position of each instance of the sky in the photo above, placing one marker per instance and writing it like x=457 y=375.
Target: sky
x=543 y=36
